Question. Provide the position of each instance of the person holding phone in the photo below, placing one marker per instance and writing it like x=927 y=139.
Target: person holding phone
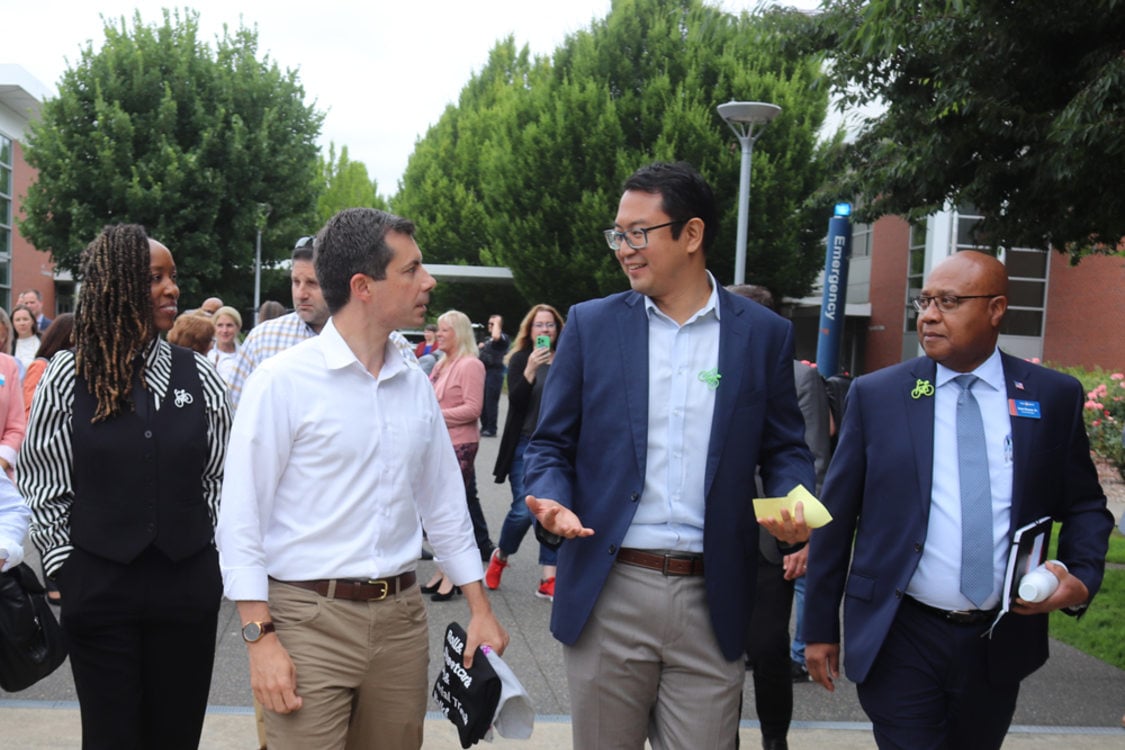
x=528 y=364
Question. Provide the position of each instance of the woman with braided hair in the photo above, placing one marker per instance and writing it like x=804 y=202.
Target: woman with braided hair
x=122 y=467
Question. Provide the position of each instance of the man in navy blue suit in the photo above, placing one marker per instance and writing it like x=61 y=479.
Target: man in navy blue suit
x=32 y=299
x=928 y=673
x=659 y=405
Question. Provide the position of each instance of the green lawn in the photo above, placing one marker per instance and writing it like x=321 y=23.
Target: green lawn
x=1101 y=631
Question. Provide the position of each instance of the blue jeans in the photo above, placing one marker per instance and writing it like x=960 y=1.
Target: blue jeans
x=797 y=645
x=519 y=518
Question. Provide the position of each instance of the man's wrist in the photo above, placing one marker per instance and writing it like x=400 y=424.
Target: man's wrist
x=256 y=630
x=478 y=602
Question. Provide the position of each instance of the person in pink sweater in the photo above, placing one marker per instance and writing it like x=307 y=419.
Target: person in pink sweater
x=458 y=381
x=13 y=414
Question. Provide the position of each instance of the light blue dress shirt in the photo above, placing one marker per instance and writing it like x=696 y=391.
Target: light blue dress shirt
x=937 y=580
x=681 y=404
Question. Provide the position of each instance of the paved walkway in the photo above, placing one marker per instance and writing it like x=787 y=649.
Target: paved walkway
x=1075 y=701
x=44 y=727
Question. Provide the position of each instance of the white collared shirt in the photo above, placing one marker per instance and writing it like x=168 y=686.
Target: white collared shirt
x=330 y=470
x=681 y=405
x=937 y=580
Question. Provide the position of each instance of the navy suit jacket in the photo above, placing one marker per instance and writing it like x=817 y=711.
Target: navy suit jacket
x=878 y=489
x=589 y=449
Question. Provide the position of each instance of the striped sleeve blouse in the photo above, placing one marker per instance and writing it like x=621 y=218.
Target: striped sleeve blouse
x=44 y=471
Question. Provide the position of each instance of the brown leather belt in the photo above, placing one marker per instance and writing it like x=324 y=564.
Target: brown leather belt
x=957 y=616
x=359 y=591
x=670 y=565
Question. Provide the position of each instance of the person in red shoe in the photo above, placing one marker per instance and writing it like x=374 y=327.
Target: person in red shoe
x=528 y=364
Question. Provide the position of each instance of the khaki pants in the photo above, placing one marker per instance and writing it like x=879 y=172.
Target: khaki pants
x=647 y=665
x=361 y=670
x=260 y=724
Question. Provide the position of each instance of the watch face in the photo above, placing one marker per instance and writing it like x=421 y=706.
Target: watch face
x=252 y=631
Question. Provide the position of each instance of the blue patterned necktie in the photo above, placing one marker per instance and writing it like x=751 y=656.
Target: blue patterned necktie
x=976 y=496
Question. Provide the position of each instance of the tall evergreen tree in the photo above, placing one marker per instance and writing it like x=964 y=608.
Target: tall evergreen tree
x=158 y=128
x=344 y=183
x=531 y=160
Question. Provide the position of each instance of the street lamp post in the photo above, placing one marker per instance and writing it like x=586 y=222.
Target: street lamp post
x=743 y=118
x=263 y=214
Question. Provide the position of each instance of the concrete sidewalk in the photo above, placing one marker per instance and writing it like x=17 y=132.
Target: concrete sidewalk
x=44 y=727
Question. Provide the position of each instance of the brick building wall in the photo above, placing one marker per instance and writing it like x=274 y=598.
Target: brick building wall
x=890 y=242
x=31 y=268
x=1085 y=312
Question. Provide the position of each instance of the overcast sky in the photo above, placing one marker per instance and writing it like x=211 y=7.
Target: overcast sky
x=382 y=71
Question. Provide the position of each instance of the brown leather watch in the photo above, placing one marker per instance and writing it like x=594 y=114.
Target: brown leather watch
x=252 y=632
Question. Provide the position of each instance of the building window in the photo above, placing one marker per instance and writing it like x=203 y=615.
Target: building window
x=1027 y=291
x=861 y=240
x=915 y=271
x=1027 y=276
x=6 y=158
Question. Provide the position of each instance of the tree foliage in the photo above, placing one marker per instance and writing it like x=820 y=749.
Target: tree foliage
x=526 y=170
x=158 y=128
x=1016 y=109
x=343 y=183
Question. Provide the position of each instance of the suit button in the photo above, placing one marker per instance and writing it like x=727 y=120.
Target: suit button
x=917 y=547
x=148 y=434
x=898 y=593
x=613 y=549
x=635 y=496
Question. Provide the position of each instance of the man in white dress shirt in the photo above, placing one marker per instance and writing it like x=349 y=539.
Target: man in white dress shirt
x=337 y=452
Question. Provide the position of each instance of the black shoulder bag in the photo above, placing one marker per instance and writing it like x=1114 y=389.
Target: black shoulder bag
x=31 y=640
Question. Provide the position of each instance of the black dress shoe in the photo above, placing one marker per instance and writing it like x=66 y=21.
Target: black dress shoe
x=799 y=672
x=437 y=596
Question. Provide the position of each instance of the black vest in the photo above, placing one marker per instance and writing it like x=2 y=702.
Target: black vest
x=138 y=476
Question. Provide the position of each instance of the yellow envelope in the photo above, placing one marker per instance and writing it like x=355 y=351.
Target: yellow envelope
x=816 y=515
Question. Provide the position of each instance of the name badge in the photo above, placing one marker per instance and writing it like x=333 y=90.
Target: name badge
x=1019 y=408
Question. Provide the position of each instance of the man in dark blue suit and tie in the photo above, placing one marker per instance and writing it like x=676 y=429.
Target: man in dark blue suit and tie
x=659 y=405
x=32 y=299
x=940 y=460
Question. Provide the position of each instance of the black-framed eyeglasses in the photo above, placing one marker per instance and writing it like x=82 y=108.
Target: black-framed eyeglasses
x=946 y=302
x=306 y=241
x=637 y=237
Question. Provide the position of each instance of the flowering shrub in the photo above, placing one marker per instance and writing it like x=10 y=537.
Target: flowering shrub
x=1105 y=417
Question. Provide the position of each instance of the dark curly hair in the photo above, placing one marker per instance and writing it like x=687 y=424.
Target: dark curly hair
x=114 y=321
